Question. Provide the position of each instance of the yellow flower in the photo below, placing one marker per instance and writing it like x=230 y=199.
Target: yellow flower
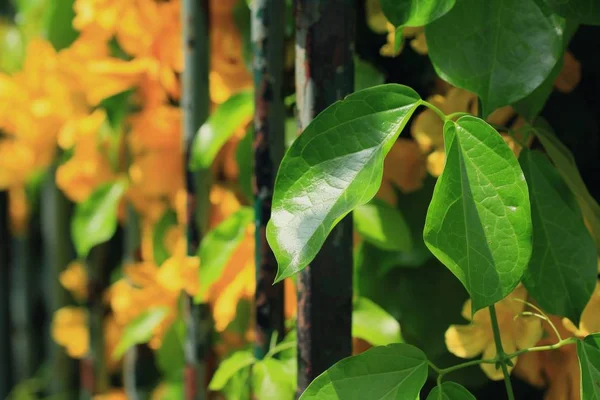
x=156 y=129
x=180 y=271
x=74 y=278
x=224 y=203
x=70 y=330
x=468 y=341
x=570 y=74
x=113 y=394
x=18 y=208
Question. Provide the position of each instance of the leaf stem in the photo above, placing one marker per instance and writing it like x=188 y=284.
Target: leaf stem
x=456 y=115
x=501 y=355
x=433 y=108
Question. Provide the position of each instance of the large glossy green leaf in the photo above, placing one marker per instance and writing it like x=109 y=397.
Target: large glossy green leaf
x=531 y=105
x=450 y=391
x=415 y=12
x=479 y=219
x=396 y=371
x=584 y=11
x=563 y=270
x=229 y=367
x=372 y=323
x=95 y=219
x=565 y=163
x=333 y=167
x=140 y=329
x=218 y=246
x=589 y=366
x=271 y=382
x=382 y=225
x=499 y=49
x=221 y=125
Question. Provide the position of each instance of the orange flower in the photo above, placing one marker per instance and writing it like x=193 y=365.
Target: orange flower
x=69 y=329
x=74 y=278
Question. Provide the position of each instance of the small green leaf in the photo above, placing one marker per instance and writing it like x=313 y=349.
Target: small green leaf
x=140 y=329
x=500 y=50
x=373 y=324
x=218 y=246
x=229 y=367
x=584 y=11
x=168 y=220
x=382 y=225
x=589 y=366
x=479 y=219
x=450 y=391
x=415 y=12
x=244 y=157
x=271 y=382
x=95 y=220
x=397 y=371
x=169 y=357
x=333 y=167
x=563 y=270
x=221 y=125
x=565 y=163
x=59 y=24
x=398 y=40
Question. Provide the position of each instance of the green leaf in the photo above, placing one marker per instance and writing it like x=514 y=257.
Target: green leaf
x=221 y=125
x=479 y=219
x=271 y=382
x=366 y=75
x=450 y=391
x=584 y=11
x=244 y=157
x=382 y=225
x=563 y=270
x=415 y=12
x=95 y=219
x=565 y=163
x=397 y=371
x=531 y=105
x=218 y=246
x=168 y=220
x=500 y=50
x=12 y=48
x=589 y=366
x=333 y=167
x=229 y=367
x=169 y=357
x=59 y=25
x=140 y=329
x=373 y=324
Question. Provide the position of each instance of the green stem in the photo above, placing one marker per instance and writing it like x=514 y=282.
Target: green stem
x=456 y=115
x=433 y=108
x=559 y=344
x=501 y=355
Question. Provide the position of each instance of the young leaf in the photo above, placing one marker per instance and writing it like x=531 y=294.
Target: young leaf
x=565 y=163
x=397 y=371
x=271 y=382
x=218 y=246
x=589 y=366
x=373 y=324
x=450 y=391
x=415 y=12
x=170 y=357
x=168 y=220
x=220 y=126
x=229 y=367
x=584 y=11
x=95 y=220
x=499 y=49
x=333 y=167
x=563 y=270
x=479 y=219
x=140 y=329
x=382 y=225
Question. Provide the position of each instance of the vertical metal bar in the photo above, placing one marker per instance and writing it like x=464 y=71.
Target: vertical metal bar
x=196 y=102
x=324 y=73
x=268 y=32
x=56 y=212
x=5 y=326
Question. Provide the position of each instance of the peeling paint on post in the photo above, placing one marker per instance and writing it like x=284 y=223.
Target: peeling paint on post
x=195 y=102
x=268 y=30
x=324 y=74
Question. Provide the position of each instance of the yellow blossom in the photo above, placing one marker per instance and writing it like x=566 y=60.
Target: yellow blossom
x=570 y=74
x=113 y=394
x=70 y=330
x=467 y=341
x=74 y=278
x=18 y=208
